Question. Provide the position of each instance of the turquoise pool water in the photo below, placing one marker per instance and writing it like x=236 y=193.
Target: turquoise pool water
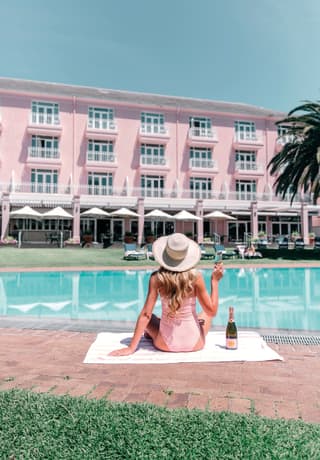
x=271 y=298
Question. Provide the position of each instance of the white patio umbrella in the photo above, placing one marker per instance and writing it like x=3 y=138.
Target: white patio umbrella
x=95 y=212
x=186 y=216
x=157 y=215
x=57 y=213
x=124 y=212
x=218 y=215
x=26 y=213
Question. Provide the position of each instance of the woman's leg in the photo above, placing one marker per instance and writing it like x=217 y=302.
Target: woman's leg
x=152 y=330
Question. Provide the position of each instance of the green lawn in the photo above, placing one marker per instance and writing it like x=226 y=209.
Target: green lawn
x=92 y=257
x=42 y=426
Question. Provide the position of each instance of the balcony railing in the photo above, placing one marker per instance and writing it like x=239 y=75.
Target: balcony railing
x=247 y=138
x=202 y=163
x=152 y=160
x=153 y=192
x=29 y=187
x=153 y=129
x=248 y=166
x=43 y=152
x=105 y=125
x=202 y=132
x=101 y=157
x=99 y=190
x=44 y=119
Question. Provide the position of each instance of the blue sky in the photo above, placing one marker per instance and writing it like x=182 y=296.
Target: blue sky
x=261 y=52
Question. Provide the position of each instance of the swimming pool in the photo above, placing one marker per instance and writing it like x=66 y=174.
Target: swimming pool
x=267 y=298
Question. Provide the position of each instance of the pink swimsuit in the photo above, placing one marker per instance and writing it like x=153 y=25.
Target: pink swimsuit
x=182 y=331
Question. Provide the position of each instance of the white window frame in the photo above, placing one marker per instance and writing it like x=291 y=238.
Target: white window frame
x=200 y=157
x=100 y=151
x=45 y=113
x=246 y=190
x=152 y=123
x=101 y=118
x=200 y=126
x=152 y=154
x=246 y=160
x=200 y=187
x=44 y=181
x=100 y=183
x=152 y=185
x=245 y=130
x=44 y=147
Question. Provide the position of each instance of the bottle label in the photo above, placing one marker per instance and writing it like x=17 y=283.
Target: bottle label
x=231 y=344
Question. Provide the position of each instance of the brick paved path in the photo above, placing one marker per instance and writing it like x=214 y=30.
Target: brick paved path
x=51 y=361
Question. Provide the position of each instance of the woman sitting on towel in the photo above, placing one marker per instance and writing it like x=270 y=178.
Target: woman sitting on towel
x=179 y=284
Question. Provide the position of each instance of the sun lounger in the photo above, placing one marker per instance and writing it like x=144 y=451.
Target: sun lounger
x=131 y=252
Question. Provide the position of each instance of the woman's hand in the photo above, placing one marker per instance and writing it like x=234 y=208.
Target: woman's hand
x=217 y=272
x=122 y=352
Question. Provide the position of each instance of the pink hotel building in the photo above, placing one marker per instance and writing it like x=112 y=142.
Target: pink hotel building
x=81 y=147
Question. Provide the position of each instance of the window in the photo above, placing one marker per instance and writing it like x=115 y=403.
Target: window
x=152 y=154
x=246 y=160
x=200 y=126
x=245 y=130
x=200 y=187
x=201 y=158
x=246 y=189
x=152 y=186
x=283 y=136
x=100 y=184
x=152 y=123
x=44 y=181
x=100 y=151
x=44 y=147
x=45 y=113
x=99 y=118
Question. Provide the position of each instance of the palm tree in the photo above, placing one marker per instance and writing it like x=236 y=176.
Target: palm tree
x=297 y=165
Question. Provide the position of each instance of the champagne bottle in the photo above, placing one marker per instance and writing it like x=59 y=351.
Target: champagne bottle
x=231 y=332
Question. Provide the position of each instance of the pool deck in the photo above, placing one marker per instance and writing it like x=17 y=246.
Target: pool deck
x=46 y=360
x=47 y=357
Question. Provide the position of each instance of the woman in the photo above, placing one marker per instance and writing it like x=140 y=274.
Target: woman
x=179 y=285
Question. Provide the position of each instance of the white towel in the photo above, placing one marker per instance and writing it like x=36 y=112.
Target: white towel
x=251 y=347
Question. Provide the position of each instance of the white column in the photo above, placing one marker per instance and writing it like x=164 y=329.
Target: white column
x=5 y=208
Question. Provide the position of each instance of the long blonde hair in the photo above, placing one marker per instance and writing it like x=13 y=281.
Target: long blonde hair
x=176 y=286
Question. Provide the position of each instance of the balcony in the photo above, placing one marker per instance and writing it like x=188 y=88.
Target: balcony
x=44 y=125
x=198 y=194
x=148 y=162
x=38 y=155
x=283 y=140
x=247 y=140
x=202 y=136
x=203 y=164
x=102 y=130
x=101 y=160
x=154 y=132
x=153 y=193
x=248 y=168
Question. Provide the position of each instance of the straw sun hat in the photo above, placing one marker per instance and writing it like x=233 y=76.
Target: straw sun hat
x=176 y=252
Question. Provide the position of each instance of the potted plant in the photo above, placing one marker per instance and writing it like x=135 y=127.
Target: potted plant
x=312 y=236
x=129 y=237
x=295 y=235
x=87 y=238
x=150 y=237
